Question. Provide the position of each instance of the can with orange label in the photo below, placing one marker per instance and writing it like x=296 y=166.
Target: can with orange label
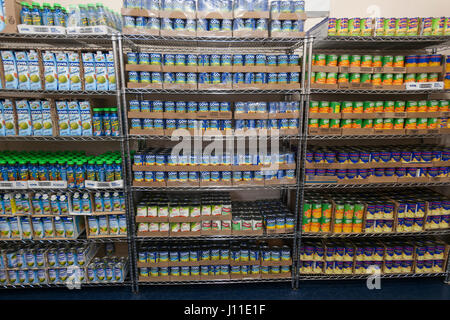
x=388 y=61
x=331 y=60
x=320 y=59
x=313 y=106
x=366 y=60
x=368 y=106
x=376 y=61
x=356 y=123
x=432 y=123
x=338 y=217
x=432 y=77
x=422 y=106
x=346 y=123
x=355 y=60
x=331 y=78
x=388 y=123
x=321 y=77
x=389 y=106
x=344 y=60
x=324 y=107
x=355 y=77
x=432 y=106
x=386 y=79
x=398 y=79
x=378 y=123
x=411 y=123
x=347 y=107
x=343 y=77
x=376 y=79
x=422 y=123
x=399 y=61
x=358 y=107
x=399 y=106
x=379 y=106
x=399 y=123
x=411 y=106
x=313 y=123
x=410 y=77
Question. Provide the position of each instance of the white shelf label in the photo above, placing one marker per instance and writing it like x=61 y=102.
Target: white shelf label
x=24 y=28
x=47 y=184
x=91 y=30
x=103 y=185
x=4 y=185
x=425 y=85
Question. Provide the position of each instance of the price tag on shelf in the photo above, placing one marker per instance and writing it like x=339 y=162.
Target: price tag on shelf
x=27 y=29
x=5 y=185
x=103 y=185
x=425 y=85
x=47 y=184
x=95 y=30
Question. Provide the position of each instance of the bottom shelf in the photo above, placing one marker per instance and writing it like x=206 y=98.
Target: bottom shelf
x=62 y=285
x=218 y=281
x=365 y=276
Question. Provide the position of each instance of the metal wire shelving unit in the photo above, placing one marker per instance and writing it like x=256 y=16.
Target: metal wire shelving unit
x=199 y=45
x=318 y=39
x=71 y=42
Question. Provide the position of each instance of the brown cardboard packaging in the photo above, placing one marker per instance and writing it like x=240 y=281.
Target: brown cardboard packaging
x=389 y=70
x=281 y=34
x=325 y=131
x=133 y=85
x=324 y=86
x=355 y=70
x=149 y=32
x=224 y=33
x=215 y=183
x=179 y=68
x=214 y=15
x=177 y=33
x=216 y=232
x=288 y=16
x=389 y=131
x=140 y=12
x=317 y=115
x=154 y=279
x=287 y=115
x=249 y=69
x=145 y=115
x=219 y=86
x=11 y=10
x=250 y=34
x=237 y=13
x=214 y=69
x=278 y=69
x=150 y=132
x=438 y=69
x=151 y=234
x=182 y=184
x=421 y=131
x=149 y=184
x=152 y=219
x=176 y=14
x=178 y=86
x=248 y=232
x=143 y=67
x=276 y=276
x=240 y=115
x=325 y=69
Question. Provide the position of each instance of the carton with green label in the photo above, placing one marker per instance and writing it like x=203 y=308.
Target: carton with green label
x=10 y=70
x=89 y=71
x=8 y=118
x=23 y=118
x=47 y=123
x=36 y=117
x=62 y=68
x=101 y=71
x=50 y=71
x=22 y=70
x=74 y=118
x=34 y=70
x=74 y=71
x=63 y=118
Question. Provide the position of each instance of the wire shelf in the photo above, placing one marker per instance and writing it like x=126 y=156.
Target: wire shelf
x=65 y=241
x=64 y=285
x=365 y=276
x=224 y=281
x=52 y=93
x=375 y=136
x=375 y=235
x=216 y=188
x=206 y=137
x=373 y=185
x=218 y=237
x=367 y=91
x=204 y=92
x=61 y=41
x=60 y=138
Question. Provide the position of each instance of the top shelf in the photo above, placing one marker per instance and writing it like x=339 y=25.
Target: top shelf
x=323 y=41
x=219 y=42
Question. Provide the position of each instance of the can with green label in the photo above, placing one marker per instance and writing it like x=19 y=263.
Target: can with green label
x=387 y=61
x=422 y=123
x=386 y=79
x=397 y=79
x=357 y=123
x=368 y=106
x=389 y=106
x=313 y=77
x=344 y=60
x=355 y=77
x=346 y=123
x=411 y=106
x=366 y=60
x=307 y=213
x=321 y=77
x=320 y=59
x=378 y=123
x=358 y=107
x=437 y=29
x=342 y=27
x=313 y=106
x=399 y=61
x=313 y=123
x=399 y=123
x=332 y=77
x=388 y=123
x=410 y=123
x=355 y=60
x=366 y=78
x=324 y=123
x=399 y=106
x=343 y=77
x=410 y=77
x=347 y=107
x=432 y=77
x=335 y=107
x=379 y=106
x=376 y=61
x=335 y=123
x=443 y=105
x=422 y=77
x=376 y=79
x=432 y=123
x=354 y=27
x=331 y=60
x=367 y=124
x=324 y=107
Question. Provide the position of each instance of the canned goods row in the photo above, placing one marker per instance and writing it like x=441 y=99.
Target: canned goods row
x=287 y=26
x=378 y=106
x=376 y=79
x=25 y=203
x=46 y=256
x=388 y=257
x=105 y=122
x=178 y=106
x=267 y=107
x=380 y=123
x=249 y=25
x=367 y=60
x=388 y=154
x=214 y=176
x=102 y=202
x=242 y=252
x=26 y=277
x=214 y=124
x=180 y=227
x=174 y=205
x=107 y=270
x=219 y=6
x=180 y=59
x=164 y=5
x=107 y=225
x=410 y=172
x=73 y=167
x=287 y=6
x=432 y=26
x=215 y=270
x=161 y=157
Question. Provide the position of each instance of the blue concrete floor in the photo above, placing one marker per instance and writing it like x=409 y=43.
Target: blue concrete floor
x=404 y=289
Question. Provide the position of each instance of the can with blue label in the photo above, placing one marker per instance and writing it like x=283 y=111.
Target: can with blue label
x=214 y=25
x=238 y=24
x=169 y=77
x=261 y=25
x=227 y=24
x=238 y=78
x=272 y=78
x=249 y=60
x=178 y=24
x=132 y=58
x=202 y=24
x=282 y=78
x=129 y=22
x=190 y=25
x=153 y=23
x=166 y=24
x=238 y=60
x=169 y=59
x=275 y=26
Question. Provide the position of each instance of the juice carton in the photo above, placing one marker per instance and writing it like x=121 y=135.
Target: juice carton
x=22 y=70
x=23 y=118
x=62 y=69
x=10 y=70
x=8 y=118
x=74 y=71
x=74 y=118
x=86 y=118
x=34 y=70
x=47 y=123
x=63 y=118
x=2 y=122
x=36 y=117
x=25 y=224
x=89 y=71
x=101 y=73
x=50 y=71
x=111 y=71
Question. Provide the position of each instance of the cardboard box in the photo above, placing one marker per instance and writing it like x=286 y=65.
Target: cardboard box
x=181 y=69
x=278 y=69
x=317 y=115
x=145 y=115
x=325 y=131
x=139 y=12
x=210 y=69
x=143 y=67
x=178 y=86
x=281 y=34
x=288 y=16
x=11 y=15
x=132 y=31
x=287 y=115
x=227 y=34
x=355 y=70
x=250 y=34
x=149 y=184
x=133 y=85
x=239 y=13
x=324 y=86
x=325 y=69
x=389 y=70
x=214 y=15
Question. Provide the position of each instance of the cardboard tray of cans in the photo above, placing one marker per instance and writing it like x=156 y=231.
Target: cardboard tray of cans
x=179 y=86
x=224 y=33
x=149 y=32
x=179 y=68
x=177 y=33
x=143 y=67
x=180 y=115
x=183 y=219
x=210 y=167
x=250 y=34
x=214 y=69
x=288 y=16
x=370 y=165
x=150 y=132
x=140 y=12
x=325 y=131
x=325 y=69
x=213 y=86
x=154 y=279
x=237 y=13
x=265 y=115
x=281 y=34
x=134 y=85
x=177 y=14
x=214 y=15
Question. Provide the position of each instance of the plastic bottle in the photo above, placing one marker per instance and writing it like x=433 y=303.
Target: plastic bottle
x=58 y=16
x=114 y=119
x=25 y=14
x=36 y=14
x=71 y=174
x=33 y=169
x=47 y=15
x=90 y=170
x=92 y=15
x=118 y=170
x=3 y=171
x=97 y=121
x=79 y=174
x=62 y=169
x=106 y=122
x=73 y=18
x=100 y=173
x=65 y=14
x=23 y=170
x=12 y=171
x=83 y=16
x=102 y=19
x=109 y=171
